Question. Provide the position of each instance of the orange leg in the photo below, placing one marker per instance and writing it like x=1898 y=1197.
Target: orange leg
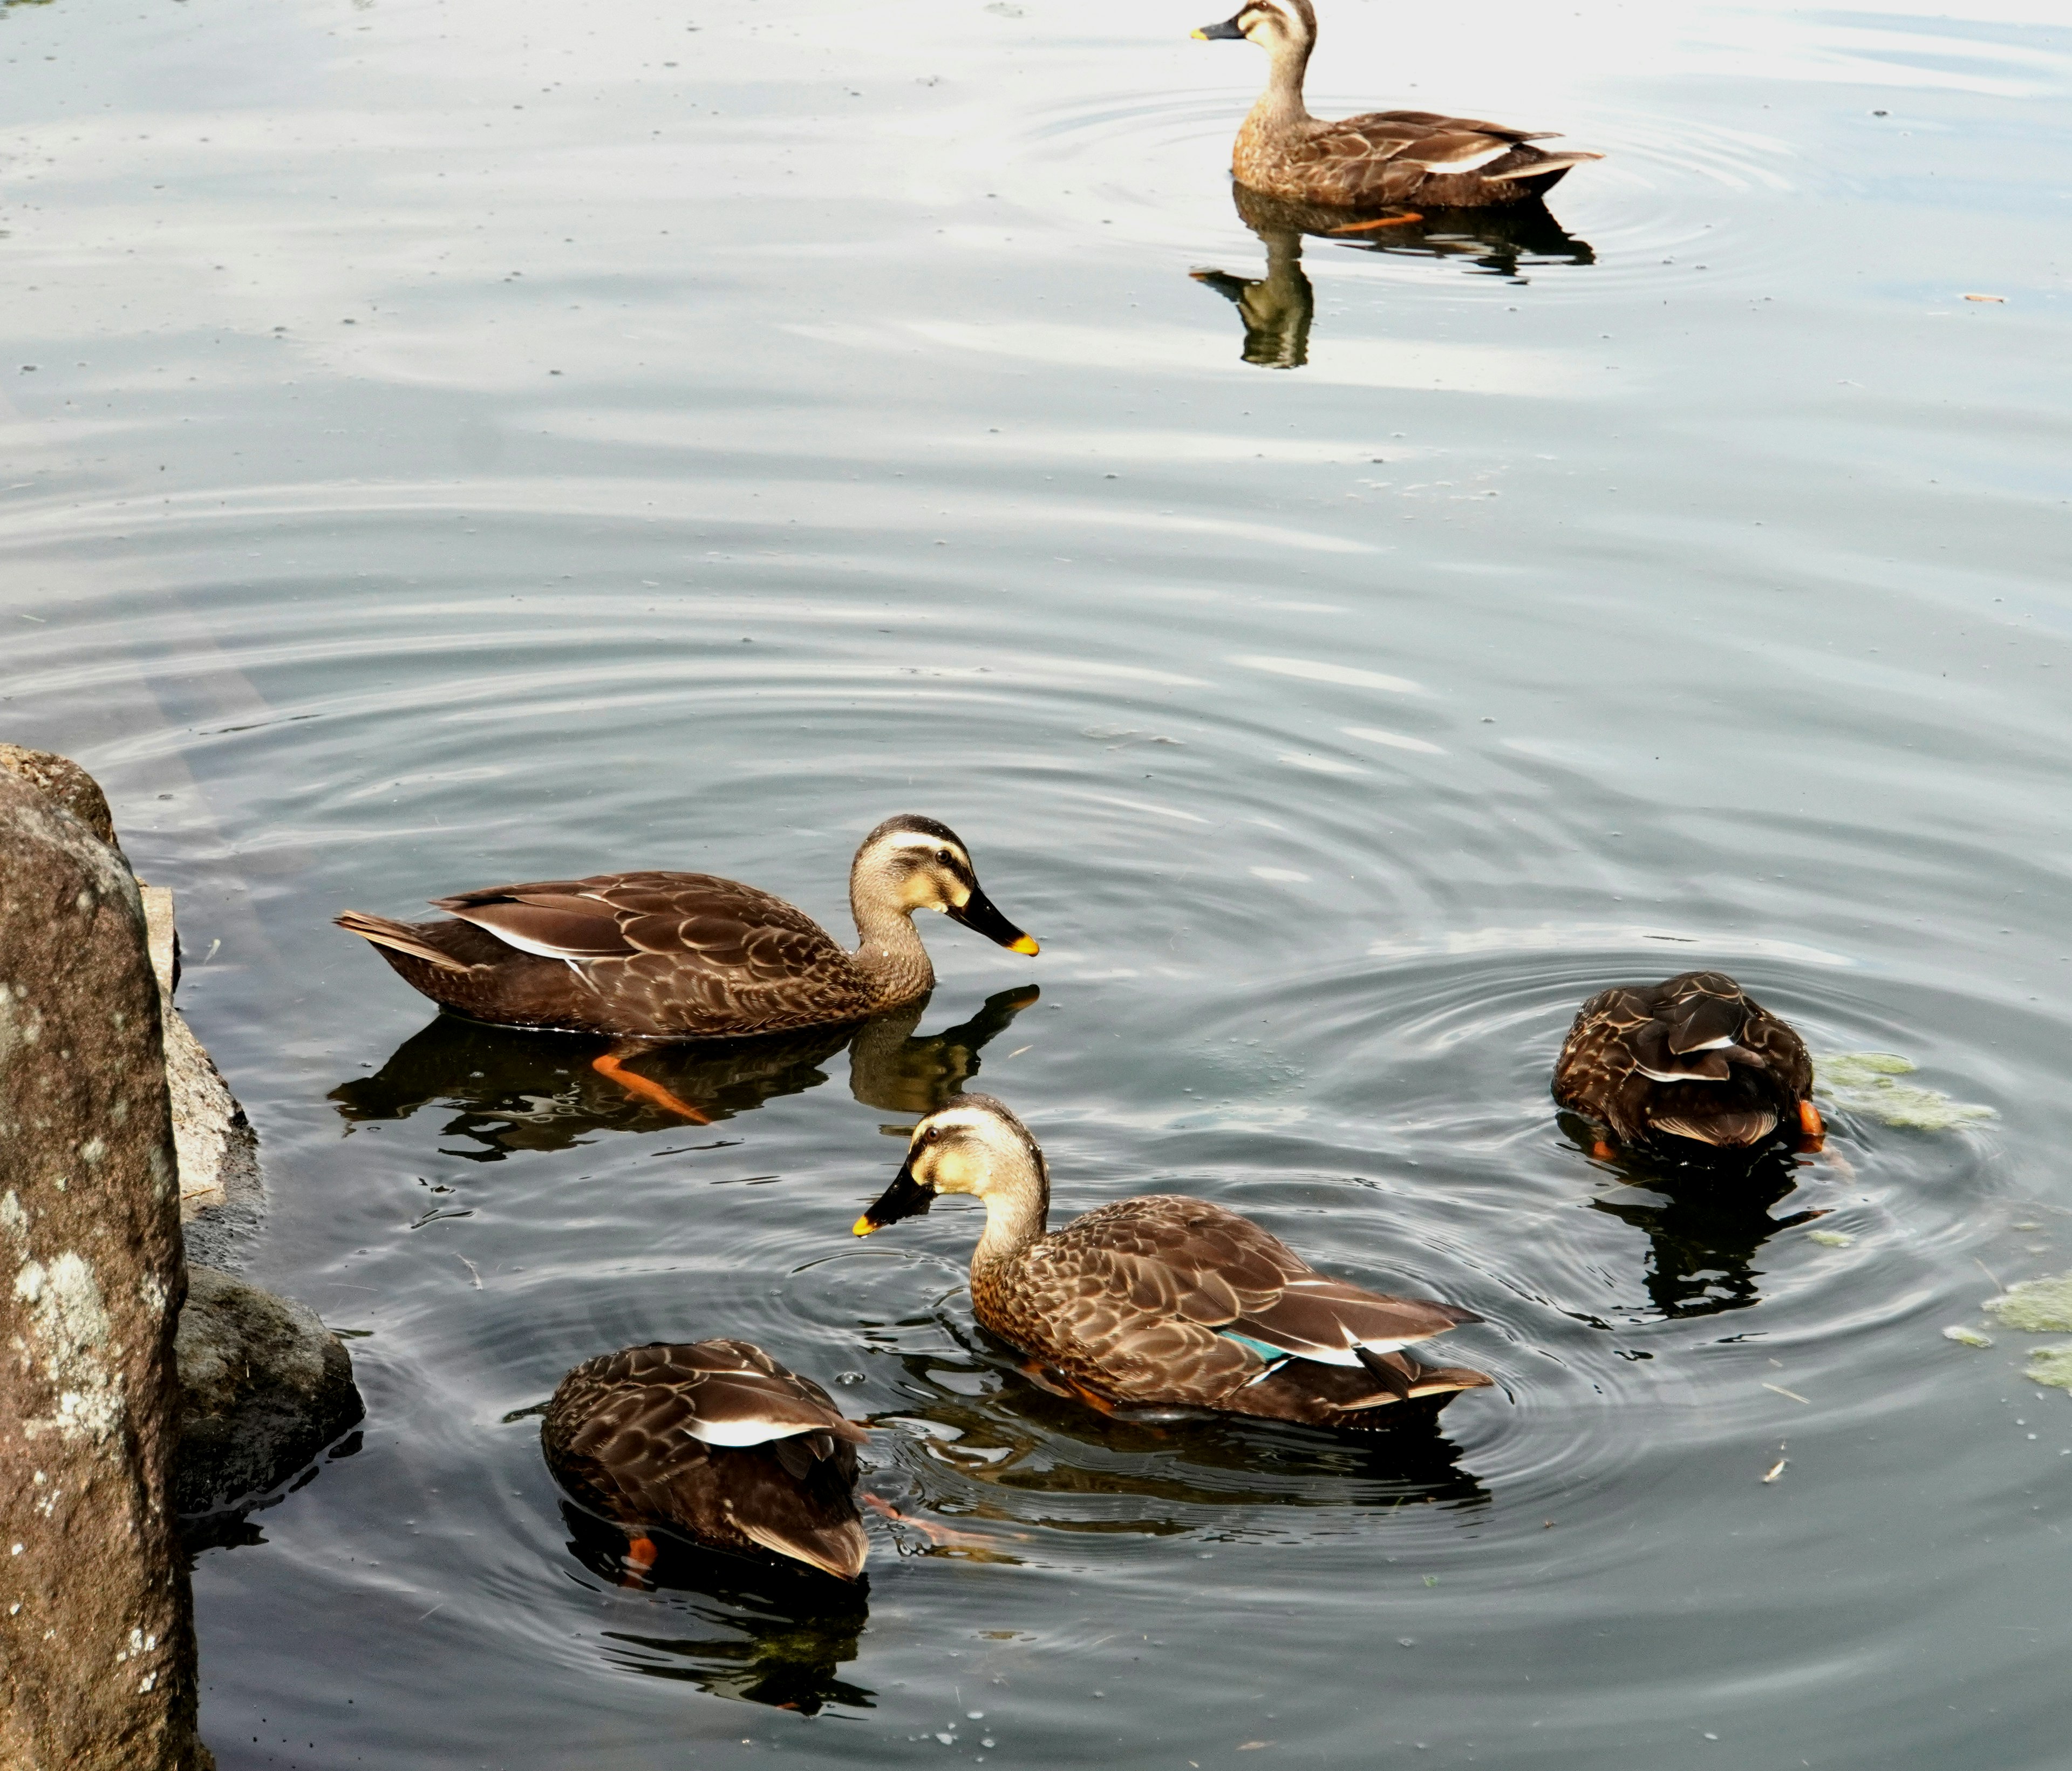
x=641 y=1556
x=1602 y=1151
x=608 y=1065
x=941 y=1536
x=1814 y=1128
x=1385 y=221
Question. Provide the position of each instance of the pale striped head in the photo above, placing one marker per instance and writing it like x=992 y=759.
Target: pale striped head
x=1280 y=27
x=911 y=863
x=972 y=1145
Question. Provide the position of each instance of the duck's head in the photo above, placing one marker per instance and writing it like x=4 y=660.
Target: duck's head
x=1280 y=27
x=911 y=863
x=972 y=1145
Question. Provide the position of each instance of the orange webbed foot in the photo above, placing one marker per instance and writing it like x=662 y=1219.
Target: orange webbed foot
x=1385 y=221
x=641 y=1556
x=610 y=1065
x=940 y=1537
x=1603 y=1151
x=1811 y=1122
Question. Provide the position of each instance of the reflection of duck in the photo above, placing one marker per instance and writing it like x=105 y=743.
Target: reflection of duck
x=1278 y=307
x=764 y=1635
x=1690 y=1063
x=715 y=1441
x=1704 y=1222
x=517 y=1091
x=1018 y=1438
x=1383 y=156
x=660 y=956
x=1162 y=1301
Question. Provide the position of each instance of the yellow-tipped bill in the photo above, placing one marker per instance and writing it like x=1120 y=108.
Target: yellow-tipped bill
x=862 y=1226
x=1024 y=943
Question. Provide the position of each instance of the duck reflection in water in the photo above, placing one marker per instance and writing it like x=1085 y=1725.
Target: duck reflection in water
x=1277 y=309
x=1004 y=1450
x=735 y=1628
x=1705 y=1221
x=518 y=1091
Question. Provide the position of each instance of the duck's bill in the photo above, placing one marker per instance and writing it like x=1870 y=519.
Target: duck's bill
x=977 y=914
x=1218 y=33
x=905 y=1198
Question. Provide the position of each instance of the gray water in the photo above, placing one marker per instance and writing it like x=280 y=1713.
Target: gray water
x=468 y=442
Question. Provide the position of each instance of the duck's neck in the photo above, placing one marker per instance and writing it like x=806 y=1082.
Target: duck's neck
x=1018 y=1211
x=1281 y=103
x=889 y=952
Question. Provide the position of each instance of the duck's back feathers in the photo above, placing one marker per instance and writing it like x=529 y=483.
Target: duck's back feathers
x=715 y=1440
x=1695 y=1059
x=650 y=953
x=1164 y=1299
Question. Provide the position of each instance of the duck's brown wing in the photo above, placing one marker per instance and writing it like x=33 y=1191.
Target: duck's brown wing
x=657 y=955
x=1695 y=1056
x=1394 y=156
x=1168 y=1299
x=715 y=1440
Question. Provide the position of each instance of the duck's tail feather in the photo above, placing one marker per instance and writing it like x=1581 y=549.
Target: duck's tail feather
x=399 y=935
x=1546 y=165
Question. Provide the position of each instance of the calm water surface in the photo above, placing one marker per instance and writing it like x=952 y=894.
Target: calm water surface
x=467 y=443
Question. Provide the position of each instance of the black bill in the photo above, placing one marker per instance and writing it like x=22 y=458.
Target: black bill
x=905 y=1198
x=977 y=914
x=1217 y=33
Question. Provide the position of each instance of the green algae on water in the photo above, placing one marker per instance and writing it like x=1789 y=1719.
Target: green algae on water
x=2036 y=1306
x=1966 y=1336
x=1865 y=1082
x=1830 y=1238
x=2051 y=1365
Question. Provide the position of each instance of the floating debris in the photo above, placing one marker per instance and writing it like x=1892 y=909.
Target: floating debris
x=2036 y=1306
x=2051 y=1365
x=1864 y=1082
x=1830 y=1238
x=1775 y=1469
x=1794 y=1396
x=1966 y=1336
x=1967 y=297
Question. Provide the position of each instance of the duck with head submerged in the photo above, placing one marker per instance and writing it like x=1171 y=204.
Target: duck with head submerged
x=1690 y=1067
x=714 y=1441
x=1382 y=158
x=662 y=955
x=1163 y=1302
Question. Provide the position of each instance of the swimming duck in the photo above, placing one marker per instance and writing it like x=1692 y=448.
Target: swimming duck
x=1385 y=157
x=658 y=955
x=1163 y=1301
x=715 y=1441
x=1695 y=1061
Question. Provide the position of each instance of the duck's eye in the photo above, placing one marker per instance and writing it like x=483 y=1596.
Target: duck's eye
x=943 y=855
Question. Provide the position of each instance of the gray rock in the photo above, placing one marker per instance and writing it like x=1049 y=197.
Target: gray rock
x=97 y=1618
x=60 y=779
x=218 y=1150
x=264 y=1388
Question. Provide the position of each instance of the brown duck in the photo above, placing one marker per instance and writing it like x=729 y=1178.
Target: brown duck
x=1164 y=1301
x=658 y=955
x=1385 y=157
x=714 y=1441
x=1696 y=1061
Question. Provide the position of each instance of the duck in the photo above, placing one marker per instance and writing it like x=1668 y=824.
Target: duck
x=1691 y=1064
x=662 y=955
x=711 y=1440
x=1398 y=157
x=1162 y=1302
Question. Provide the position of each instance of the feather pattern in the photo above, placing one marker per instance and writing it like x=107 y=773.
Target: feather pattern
x=1424 y=159
x=656 y=955
x=716 y=1441
x=1695 y=1059
x=1164 y=1301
